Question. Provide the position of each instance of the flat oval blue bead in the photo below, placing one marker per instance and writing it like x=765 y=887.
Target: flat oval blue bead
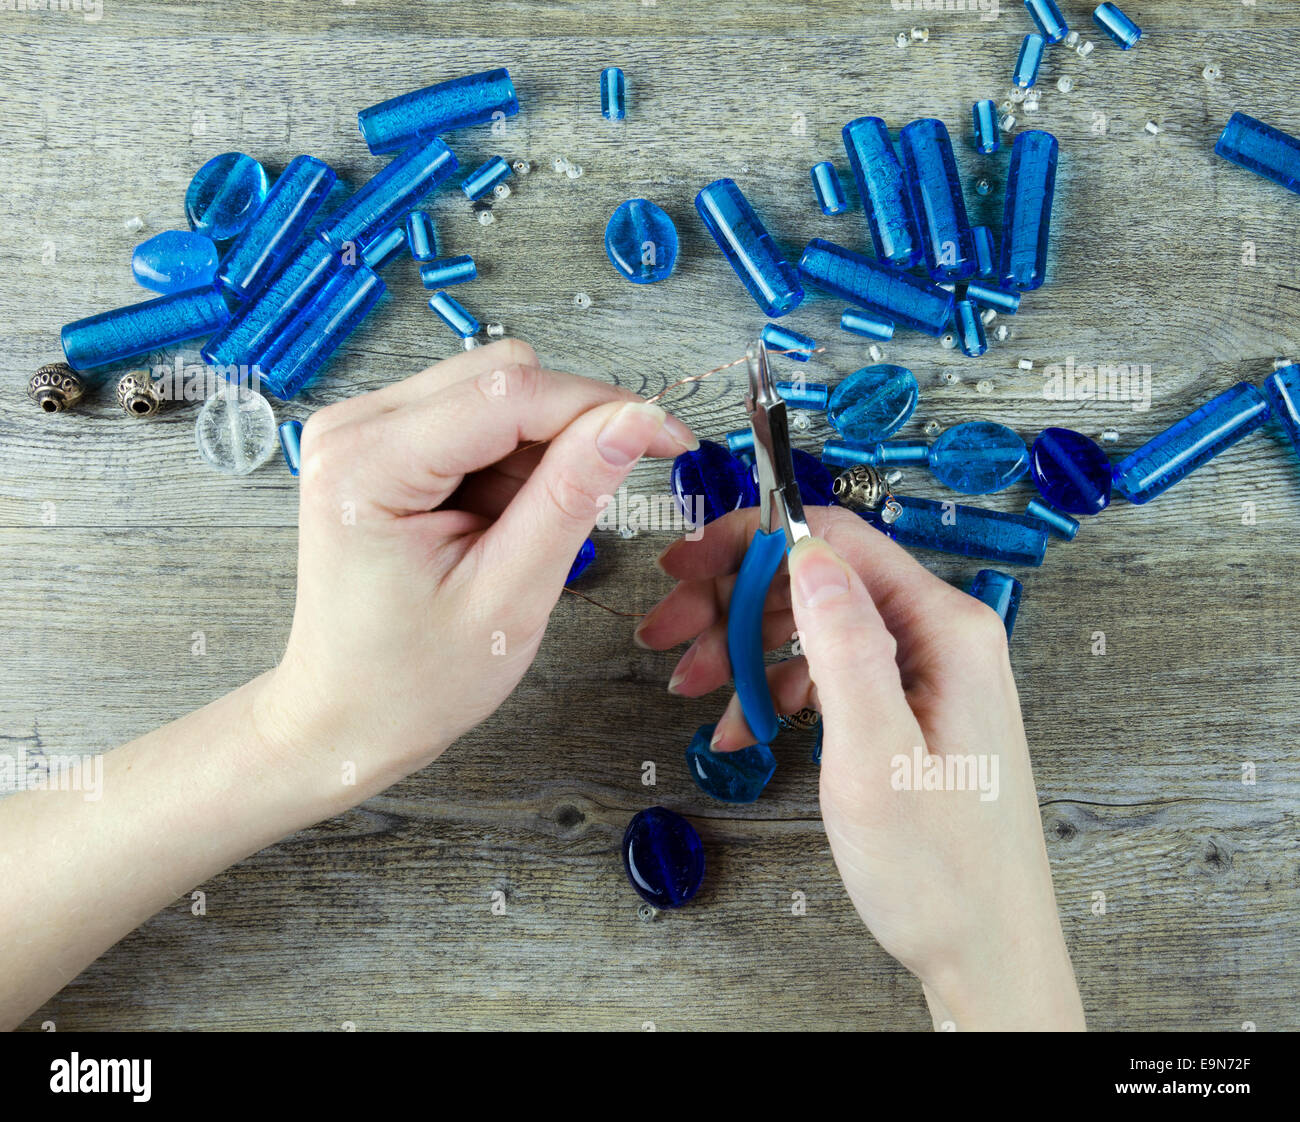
x=664 y=857
x=979 y=457
x=225 y=194
x=175 y=261
x=1071 y=471
x=816 y=484
x=873 y=403
x=710 y=481
x=641 y=242
x=729 y=777
x=586 y=555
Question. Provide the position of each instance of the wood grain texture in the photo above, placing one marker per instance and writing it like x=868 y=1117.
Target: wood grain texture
x=382 y=918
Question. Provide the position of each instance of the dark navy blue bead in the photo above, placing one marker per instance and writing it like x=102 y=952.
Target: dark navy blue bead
x=586 y=555
x=1070 y=471
x=729 y=777
x=709 y=482
x=816 y=484
x=664 y=857
x=817 y=743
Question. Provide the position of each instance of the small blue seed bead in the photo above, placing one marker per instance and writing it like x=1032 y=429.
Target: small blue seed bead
x=804 y=395
x=483 y=178
x=857 y=322
x=1048 y=17
x=447 y=271
x=420 y=236
x=384 y=248
x=988 y=135
x=454 y=315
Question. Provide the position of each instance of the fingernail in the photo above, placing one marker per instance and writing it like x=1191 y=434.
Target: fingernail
x=636 y=633
x=683 y=668
x=717 y=738
x=819 y=577
x=628 y=433
x=681 y=433
x=664 y=557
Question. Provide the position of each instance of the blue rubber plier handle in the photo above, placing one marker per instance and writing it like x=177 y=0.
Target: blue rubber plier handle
x=781 y=525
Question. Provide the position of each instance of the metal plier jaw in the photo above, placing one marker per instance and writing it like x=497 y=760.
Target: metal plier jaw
x=780 y=505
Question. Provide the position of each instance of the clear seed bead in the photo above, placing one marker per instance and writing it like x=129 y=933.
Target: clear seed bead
x=1278 y=363
x=1084 y=48
x=1031 y=101
x=627 y=533
x=983 y=185
x=951 y=377
x=472 y=343
x=984 y=386
x=901 y=39
x=1002 y=333
x=496 y=330
x=949 y=340
x=931 y=428
x=134 y=224
x=893 y=477
x=1007 y=106
x=1026 y=364
x=1152 y=128
x=1018 y=95
x=501 y=190
x=1211 y=73
x=582 y=300
x=522 y=167
x=1008 y=122
x=876 y=352
x=988 y=315
x=1065 y=83
x=1072 y=39
x=920 y=34
x=890 y=512
x=800 y=421
x=574 y=171
x=1109 y=436
x=561 y=165
x=486 y=218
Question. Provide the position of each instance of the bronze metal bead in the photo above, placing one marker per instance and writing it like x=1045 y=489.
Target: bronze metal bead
x=136 y=394
x=56 y=387
x=860 y=488
x=806 y=718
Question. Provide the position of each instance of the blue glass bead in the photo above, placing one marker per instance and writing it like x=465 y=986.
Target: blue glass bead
x=709 y=482
x=1048 y=17
x=1260 y=148
x=969 y=531
x=248 y=336
x=1027 y=216
x=864 y=323
x=1062 y=525
x=749 y=248
x=613 y=94
x=1029 y=60
x=420 y=236
x=641 y=242
x=1191 y=443
x=664 y=857
x=175 y=261
x=844 y=454
x=978 y=457
x=873 y=403
x=740 y=441
x=291 y=445
x=986 y=253
x=1282 y=389
x=267 y=241
x=816 y=484
x=458 y=103
x=1071 y=472
x=817 y=743
x=486 y=176
x=987 y=296
x=224 y=195
x=140 y=328
x=586 y=555
x=1122 y=30
x=729 y=777
x=804 y=395
x=447 y=271
x=453 y=314
x=390 y=194
x=988 y=135
x=970 y=329
x=908 y=300
x=1000 y=592
x=883 y=189
x=937 y=200
x=895 y=453
x=788 y=344
x=385 y=248
x=828 y=189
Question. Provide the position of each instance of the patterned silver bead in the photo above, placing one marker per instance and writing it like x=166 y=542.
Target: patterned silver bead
x=56 y=387
x=860 y=488
x=803 y=720
x=136 y=394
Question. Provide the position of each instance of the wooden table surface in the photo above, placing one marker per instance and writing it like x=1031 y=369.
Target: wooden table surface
x=118 y=545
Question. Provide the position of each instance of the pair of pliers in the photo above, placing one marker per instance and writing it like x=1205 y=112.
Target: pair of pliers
x=781 y=525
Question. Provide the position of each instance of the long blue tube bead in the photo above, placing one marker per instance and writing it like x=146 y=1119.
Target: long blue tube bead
x=769 y=278
x=970 y=531
x=453 y=314
x=988 y=134
x=613 y=94
x=244 y=340
x=140 y=328
x=864 y=323
x=1029 y=60
x=291 y=445
x=970 y=329
x=883 y=189
x=987 y=296
x=999 y=591
x=1027 y=215
x=804 y=395
x=1190 y=443
x=791 y=344
x=267 y=241
x=905 y=299
x=448 y=270
x=1051 y=24
x=884 y=453
x=484 y=177
x=1282 y=388
x=1062 y=525
x=320 y=329
x=1260 y=148
x=937 y=200
x=986 y=252
x=828 y=189
x=390 y=194
x=420 y=236
x=1117 y=25
x=474 y=99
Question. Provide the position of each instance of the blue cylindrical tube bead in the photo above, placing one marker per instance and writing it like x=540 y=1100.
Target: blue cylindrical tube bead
x=267 y=241
x=291 y=445
x=987 y=296
x=970 y=531
x=742 y=440
x=804 y=395
x=883 y=189
x=894 y=453
x=1282 y=388
x=1048 y=17
x=1117 y=25
x=484 y=177
x=320 y=329
x=447 y=271
x=937 y=200
x=858 y=322
x=613 y=94
x=828 y=189
x=1191 y=443
x=451 y=312
x=845 y=453
x=390 y=194
x=746 y=244
x=988 y=134
x=417 y=116
x=384 y=248
x=1000 y=592
x=905 y=299
x=420 y=236
x=790 y=344
x=140 y=328
x=1029 y=60
x=1062 y=525
x=245 y=339
x=1027 y=214
x=986 y=252
x=1260 y=148
x=970 y=329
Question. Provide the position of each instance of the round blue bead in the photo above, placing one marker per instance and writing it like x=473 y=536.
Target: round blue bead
x=873 y=403
x=729 y=777
x=225 y=194
x=979 y=457
x=710 y=481
x=816 y=484
x=175 y=261
x=1071 y=472
x=586 y=555
x=664 y=857
x=641 y=242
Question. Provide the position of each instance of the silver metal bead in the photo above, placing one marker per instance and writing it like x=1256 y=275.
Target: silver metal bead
x=861 y=487
x=137 y=395
x=56 y=387
x=806 y=718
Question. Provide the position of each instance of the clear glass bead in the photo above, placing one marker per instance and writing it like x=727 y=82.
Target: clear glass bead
x=893 y=477
x=984 y=386
x=472 y=343
x=1085 y=48
x=582 y=300
x=1017 y=95
x=901 y=39
x=1032 y=101
x=134 y=224
x=1065 y=83
x=1072 y=39
x=951 y=377
x=1002 y=333
x=876 y=352
x=890 y=512
x=1278 y=363
x=1152 y=128
x=573 y=171
x=1109 y=436
x=1212 y=73
x=800 y=421
x=486 y=218
x=931 y=428
x=988 y=315
x=496 y=330
x=522 y=167
x=627 y=533
x=948 y=340
x=236 y=431
x=501 y=191
x=561 y=165
x=983 y=185
x=1008 y=122
x=920 y=35
x=1026 y=364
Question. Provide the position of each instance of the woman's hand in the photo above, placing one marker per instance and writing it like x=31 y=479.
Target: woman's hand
x=955 y=884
